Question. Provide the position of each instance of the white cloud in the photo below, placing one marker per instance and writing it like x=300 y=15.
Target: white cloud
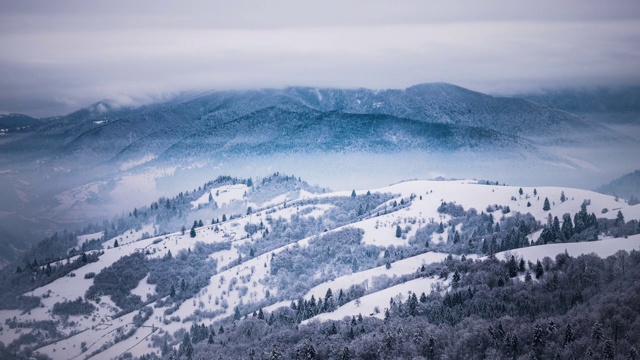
x=82 y=53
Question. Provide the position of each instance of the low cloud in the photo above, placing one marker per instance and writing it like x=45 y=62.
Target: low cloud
x=51 y=68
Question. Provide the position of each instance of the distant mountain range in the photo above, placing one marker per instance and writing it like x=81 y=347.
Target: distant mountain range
x=624 y=100
x=433 y=117
x=17 y=121
x=626 y=186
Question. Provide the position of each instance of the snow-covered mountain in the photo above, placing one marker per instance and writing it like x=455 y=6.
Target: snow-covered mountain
x=99 y=160
x=258 y=245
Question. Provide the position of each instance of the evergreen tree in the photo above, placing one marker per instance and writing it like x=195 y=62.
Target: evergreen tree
x=115 y=244
x=192 y=233
x=346 y=354
x=562 y=197
x=276 y=354
x=568 y=335
x=249 y=183
x=353 y=193
x=619 y=218
x=567 y=227
x=546 y=206
x=607 y=350
x=520 y=191
x=456 y=278
x=431 y=349
x=539 y=270
x=538 y=335
x=596 y=332
x=413 y=304
x=456 y=237
x=398 y=231
x=224 y=217
x=186 y=347
x=512 y=267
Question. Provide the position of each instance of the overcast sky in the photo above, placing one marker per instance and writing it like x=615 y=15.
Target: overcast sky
x=58 y=56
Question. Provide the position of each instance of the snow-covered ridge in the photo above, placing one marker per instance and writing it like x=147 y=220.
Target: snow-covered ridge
x=249 y=282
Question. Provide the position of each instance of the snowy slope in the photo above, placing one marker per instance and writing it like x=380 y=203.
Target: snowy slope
x=249 y=282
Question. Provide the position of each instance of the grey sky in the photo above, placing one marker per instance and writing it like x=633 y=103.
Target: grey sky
x=57 y=56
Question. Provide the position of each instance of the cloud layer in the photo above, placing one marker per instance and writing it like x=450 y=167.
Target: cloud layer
x=59 y=56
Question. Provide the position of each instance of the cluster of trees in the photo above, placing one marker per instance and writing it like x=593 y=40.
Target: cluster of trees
x=74 y=307
x=181 y=276
x=280 y=231
x=117 y=281
x=471 y=232
x=278 y=184
x=584 y=227
x=582 y=307
x=306 y=309
x=295 y=271
x=33 y=275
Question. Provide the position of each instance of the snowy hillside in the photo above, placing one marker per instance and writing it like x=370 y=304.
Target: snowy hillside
x=256 y=248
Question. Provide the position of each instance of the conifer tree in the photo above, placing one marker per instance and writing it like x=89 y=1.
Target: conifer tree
x=539 y=270
x=619 y=218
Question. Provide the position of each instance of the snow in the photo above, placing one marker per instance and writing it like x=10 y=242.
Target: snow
x=88 y=237
x=129 y=236
x=603 y=248
x=222 y=195
x=253 y=274
x=398 y=268
x=144 y=289
x=367 y=305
